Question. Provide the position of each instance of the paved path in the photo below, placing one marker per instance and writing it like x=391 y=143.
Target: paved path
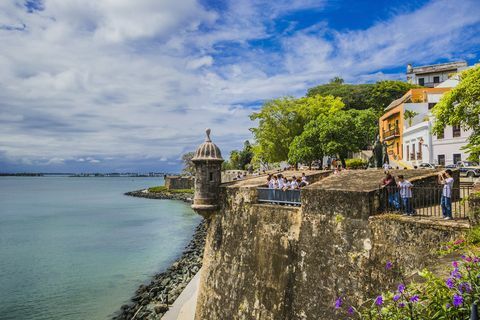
x=184 y=306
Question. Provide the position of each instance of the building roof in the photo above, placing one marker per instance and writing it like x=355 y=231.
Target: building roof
x=208 y=150
x=414 y=94
x=437 y=67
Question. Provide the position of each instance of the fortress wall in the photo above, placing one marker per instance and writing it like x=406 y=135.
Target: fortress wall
x=278 y=262
x=334 y=250
x=249 y=259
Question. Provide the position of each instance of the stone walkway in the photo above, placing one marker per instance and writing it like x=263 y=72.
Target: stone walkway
x=184 y=307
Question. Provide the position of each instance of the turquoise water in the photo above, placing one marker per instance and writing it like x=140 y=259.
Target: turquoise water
x=77 y=248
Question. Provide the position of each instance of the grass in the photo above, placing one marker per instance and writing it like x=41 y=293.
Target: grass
x=160 y=189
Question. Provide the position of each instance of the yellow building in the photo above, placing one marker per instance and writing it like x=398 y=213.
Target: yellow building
x=392 y=123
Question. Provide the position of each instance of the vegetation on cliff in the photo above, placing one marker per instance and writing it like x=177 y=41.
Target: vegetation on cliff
x=434 y=297
x=163 y=189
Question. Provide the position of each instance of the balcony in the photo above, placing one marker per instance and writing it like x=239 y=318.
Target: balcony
x=391 y=134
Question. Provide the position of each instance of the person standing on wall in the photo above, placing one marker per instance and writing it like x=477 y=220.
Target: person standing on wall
x=390 y=186
x=446 y=178
x=405 y=187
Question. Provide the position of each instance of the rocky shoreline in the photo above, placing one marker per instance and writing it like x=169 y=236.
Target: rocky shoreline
x=151 y=301
x=186 y=197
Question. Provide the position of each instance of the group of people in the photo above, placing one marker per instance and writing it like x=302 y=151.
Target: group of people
x=279 y=188
x=400 y=193
x=278 y=181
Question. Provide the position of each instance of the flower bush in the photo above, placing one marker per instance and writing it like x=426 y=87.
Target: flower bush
x=433 y=299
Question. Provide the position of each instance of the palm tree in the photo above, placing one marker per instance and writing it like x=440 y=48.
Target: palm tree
x=409 y=115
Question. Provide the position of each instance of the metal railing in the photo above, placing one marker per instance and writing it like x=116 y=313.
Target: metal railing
x=279 y=196
x=391 y=133
x=426 y=201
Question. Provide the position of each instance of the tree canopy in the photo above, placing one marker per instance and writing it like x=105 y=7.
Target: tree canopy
x=332 y=119
x=188 y=165
x=461 y=106
x=281 y=120
x=363 y=96
x=239 y=159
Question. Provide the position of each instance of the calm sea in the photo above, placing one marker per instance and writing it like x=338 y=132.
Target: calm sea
x=77 y=248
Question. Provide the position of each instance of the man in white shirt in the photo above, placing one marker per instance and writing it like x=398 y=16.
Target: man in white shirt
x=405 y=188
x=446 y=178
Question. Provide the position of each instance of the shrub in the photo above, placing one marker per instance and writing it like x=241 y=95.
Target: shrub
x=356 y=163
x=157 y=189
x=433 y=299
x=160 y=189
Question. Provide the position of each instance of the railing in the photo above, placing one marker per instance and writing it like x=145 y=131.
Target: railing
x=279 y=196
x=391 y=133
x=426 y=201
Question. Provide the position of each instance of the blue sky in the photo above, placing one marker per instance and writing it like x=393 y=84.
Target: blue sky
x=121 y=85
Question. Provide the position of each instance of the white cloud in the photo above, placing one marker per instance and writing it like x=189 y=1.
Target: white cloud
x=115 y=79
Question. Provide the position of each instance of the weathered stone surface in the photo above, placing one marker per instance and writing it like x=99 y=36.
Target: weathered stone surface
x=179 y=182
x=278 y=262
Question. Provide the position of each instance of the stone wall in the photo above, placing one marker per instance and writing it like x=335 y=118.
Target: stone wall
x=249 y=259
x=179 y=182
x=474 y=204
x=279 y=262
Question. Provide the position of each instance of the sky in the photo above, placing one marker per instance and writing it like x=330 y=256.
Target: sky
x=129 y=86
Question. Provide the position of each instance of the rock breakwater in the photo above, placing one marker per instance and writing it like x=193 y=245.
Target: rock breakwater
x=151 y=301
x=186 y=197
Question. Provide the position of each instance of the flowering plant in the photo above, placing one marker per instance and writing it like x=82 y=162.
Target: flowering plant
x=434 y=298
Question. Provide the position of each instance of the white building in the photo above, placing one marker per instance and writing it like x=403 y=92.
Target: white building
x=419 y=145
x=432 y=75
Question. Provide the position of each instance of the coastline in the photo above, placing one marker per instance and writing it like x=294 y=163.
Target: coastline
x=151 y=301
x=186 y=197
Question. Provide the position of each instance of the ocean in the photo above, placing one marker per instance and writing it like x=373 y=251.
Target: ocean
x=77 y=248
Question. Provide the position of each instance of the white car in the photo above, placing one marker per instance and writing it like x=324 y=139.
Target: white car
x=426 y=166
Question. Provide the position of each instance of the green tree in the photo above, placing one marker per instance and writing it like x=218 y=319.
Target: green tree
x=337 y=134
x=337 y=80
x=188 y=165
x=409 y=115
x=384 y=92
x=281 y=120
x=354 y=96
x=364 y=96
x=278 y=124
x=366 y=127
x=461 y=106
x=306 y=147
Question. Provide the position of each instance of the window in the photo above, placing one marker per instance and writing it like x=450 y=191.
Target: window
x=412 y=156
x=436 y=79
x=441 y=159
x=419 y=156
x=441 y=135
x=456 y=131
x=457 y=157
x=421 y=81
x=408 y=153
x=398 y=148
x=211 y=176
x=431 y=105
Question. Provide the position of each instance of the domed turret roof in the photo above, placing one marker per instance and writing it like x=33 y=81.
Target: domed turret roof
x=208 y=150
